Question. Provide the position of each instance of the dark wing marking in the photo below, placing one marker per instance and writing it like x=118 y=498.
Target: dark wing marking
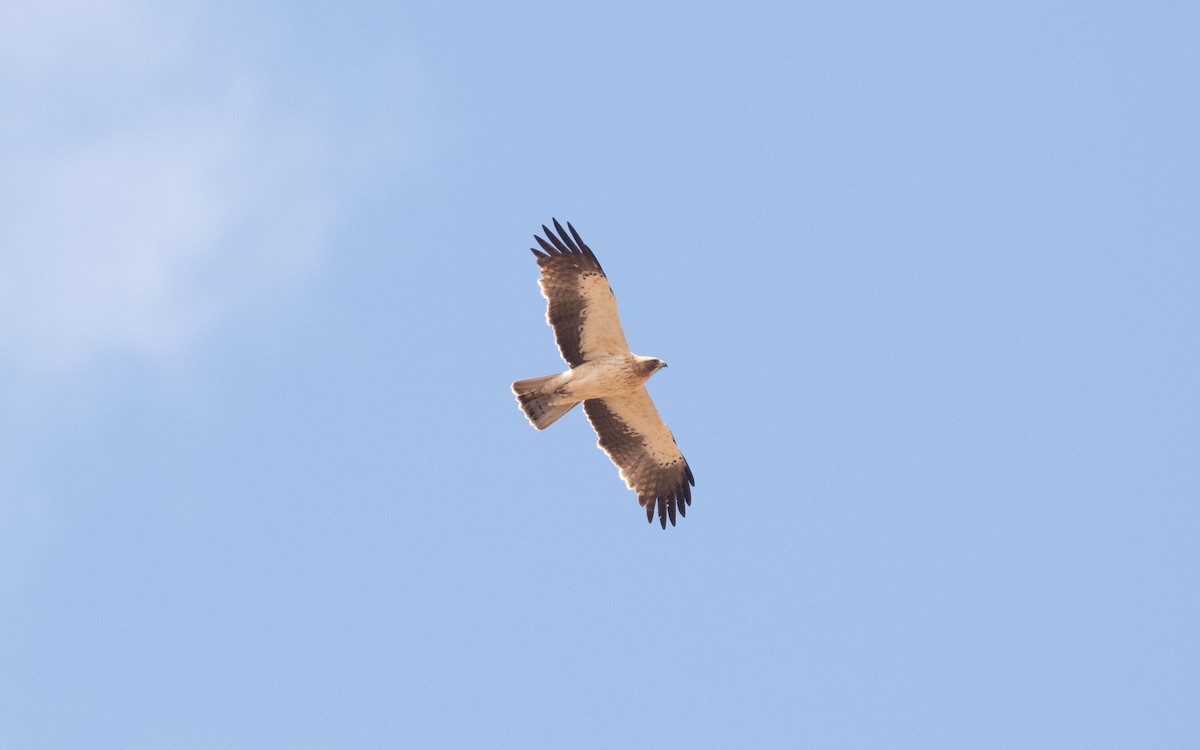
x=580 y=306
x=637 y=440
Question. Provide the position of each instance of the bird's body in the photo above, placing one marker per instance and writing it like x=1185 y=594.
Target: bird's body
x=605 y=376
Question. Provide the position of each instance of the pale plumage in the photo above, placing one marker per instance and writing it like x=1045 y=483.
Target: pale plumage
x=605 y=376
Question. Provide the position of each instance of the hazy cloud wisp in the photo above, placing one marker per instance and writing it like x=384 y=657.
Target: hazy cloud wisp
x=137 y=232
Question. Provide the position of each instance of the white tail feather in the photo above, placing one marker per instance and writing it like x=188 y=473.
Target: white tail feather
x=536 y=395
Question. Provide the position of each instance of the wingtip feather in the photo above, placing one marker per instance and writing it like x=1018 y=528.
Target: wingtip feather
x=562 y=248
x=567 y=238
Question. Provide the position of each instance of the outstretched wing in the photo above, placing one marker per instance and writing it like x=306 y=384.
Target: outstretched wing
x=639 y=443
x=581 y=307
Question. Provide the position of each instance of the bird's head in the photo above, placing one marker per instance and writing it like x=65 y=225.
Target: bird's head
x=650 y=365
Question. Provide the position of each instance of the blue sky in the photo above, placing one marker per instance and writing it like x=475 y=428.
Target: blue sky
x=927 y=277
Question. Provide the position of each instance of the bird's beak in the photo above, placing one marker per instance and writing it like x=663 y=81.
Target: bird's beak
x=664 y=364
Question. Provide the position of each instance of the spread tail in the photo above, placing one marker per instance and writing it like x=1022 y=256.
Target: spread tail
x=536 y=397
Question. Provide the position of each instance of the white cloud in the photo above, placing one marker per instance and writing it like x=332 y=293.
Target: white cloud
x=41 y=41
x=165 y=169
x=154 y=189
x=157 y=215
x=139 y=239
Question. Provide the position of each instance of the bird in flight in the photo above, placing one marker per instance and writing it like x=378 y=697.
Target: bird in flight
x=609 y=379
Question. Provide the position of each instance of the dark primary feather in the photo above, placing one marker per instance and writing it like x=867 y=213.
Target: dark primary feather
x=562 y=244
x=665 y=488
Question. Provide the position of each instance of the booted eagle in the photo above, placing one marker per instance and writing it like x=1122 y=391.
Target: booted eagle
x=608 y=378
